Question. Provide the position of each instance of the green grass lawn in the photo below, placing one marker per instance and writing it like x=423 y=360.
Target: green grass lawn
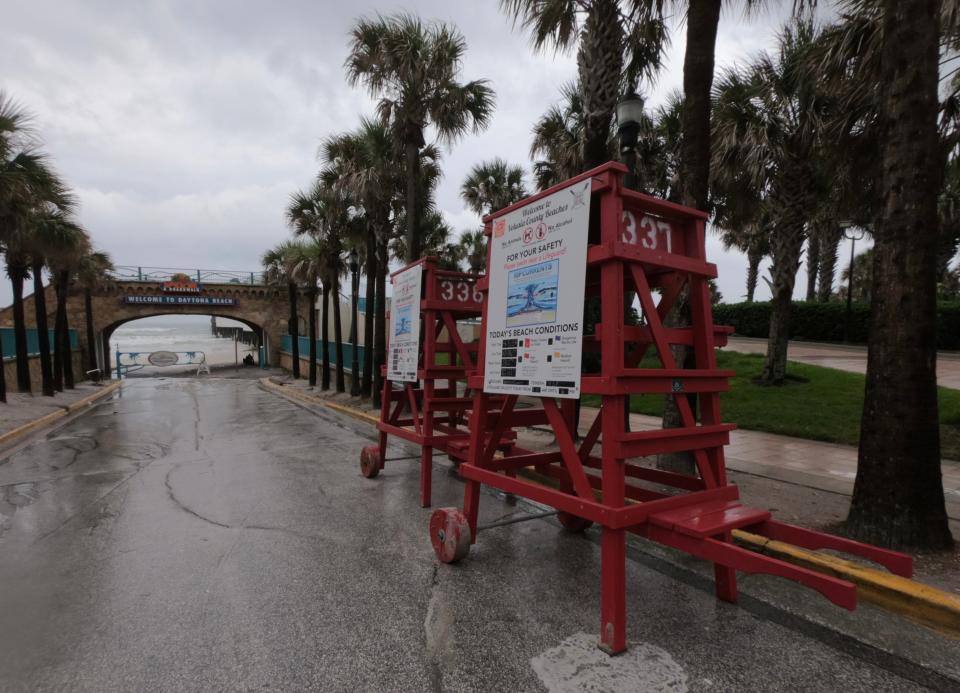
x=825 y=406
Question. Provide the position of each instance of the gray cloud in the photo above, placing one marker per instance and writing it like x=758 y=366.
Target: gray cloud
x=184 y=125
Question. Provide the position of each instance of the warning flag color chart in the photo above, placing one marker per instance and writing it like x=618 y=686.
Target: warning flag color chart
x=405 y=325
x=537 y=272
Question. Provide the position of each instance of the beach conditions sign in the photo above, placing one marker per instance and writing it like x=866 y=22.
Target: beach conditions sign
x=405 y=325
x=538 y=264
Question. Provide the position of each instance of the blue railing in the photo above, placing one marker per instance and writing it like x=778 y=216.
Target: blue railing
x=131 y=273
x=286 y=347
x=33 y=342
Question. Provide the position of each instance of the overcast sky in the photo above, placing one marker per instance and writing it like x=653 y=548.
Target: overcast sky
x=183 y=125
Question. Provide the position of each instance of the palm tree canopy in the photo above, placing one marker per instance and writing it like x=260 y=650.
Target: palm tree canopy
x=769 y=115
x=473 y=245
x=492 y=185
x=557 y=148
x=414 y=68
x=279 y=262
x=560 y=25
x=94 y=268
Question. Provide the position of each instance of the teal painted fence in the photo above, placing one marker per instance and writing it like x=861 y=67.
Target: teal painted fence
x=286 y=344
x=33 y=343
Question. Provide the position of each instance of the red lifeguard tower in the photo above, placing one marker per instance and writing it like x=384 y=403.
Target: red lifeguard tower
x=429 y=407
x=636 y=245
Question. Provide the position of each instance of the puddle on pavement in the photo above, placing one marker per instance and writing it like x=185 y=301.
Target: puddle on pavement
x=577 y=664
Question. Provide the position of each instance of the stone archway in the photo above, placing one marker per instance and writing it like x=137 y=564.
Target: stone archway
x=107 y=358
x=263 y=307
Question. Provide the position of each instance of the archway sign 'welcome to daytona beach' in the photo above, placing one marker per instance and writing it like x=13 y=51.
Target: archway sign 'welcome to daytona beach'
x=537 y=271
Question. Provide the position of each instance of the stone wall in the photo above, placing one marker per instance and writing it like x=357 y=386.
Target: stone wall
x=10 y=371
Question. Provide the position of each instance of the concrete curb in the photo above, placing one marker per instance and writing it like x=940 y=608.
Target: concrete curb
x=47 y=419
x=916 y=601
x=306 y=398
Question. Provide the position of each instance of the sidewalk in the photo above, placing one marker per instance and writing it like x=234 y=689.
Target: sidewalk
x=844 y=357
x=21 y=410
x=823 y=466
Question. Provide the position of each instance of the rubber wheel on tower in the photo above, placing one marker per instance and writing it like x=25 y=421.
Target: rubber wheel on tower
x=449 y=534
x=370 y=461
x=573 y=523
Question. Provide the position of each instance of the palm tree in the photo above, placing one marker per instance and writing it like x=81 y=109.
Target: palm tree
x=52 y=233
x=557 y=148
x=26 y=180
x=898 y=494
x=492 y=185
x=617 y=43
x=413 y=69
x=93 y=272
x=474 y=250
x=278 y=264
x=323 y=214
x=768 y=120
x=63 y=259
x=364 y=165
x=309 y=266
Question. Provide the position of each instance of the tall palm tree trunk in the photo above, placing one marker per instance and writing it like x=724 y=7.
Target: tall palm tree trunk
x=787 y=245
x=829 y=245
x=312 y=368
x=62 y=334
x=3 y=377
x=338 y=333
x=813 y=259
x=43 y=334
x=600 y=67
x=366 y=383
x=91 y=337
x=325 y=337
x=18 y=274
x=380 y=319
x=754 y=257
x=412 y=153
x=898 y=494
x=703 y=17
x=294 y=329
x=354 y=363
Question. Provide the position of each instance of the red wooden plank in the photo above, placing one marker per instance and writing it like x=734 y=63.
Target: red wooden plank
x=714 y=523
x=567 y=449
x=670 y=518
x=894 y=561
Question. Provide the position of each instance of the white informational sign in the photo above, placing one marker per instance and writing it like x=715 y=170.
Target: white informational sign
x=538 y=265
x=405 y=325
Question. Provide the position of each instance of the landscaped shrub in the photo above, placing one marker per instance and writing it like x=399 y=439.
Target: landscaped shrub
x=824 y=322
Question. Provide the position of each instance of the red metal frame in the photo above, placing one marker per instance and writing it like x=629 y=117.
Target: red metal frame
x=639 y=245
x=432 y=412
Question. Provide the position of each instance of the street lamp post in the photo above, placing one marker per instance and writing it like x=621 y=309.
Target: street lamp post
x=355 y=287
x=629 y=116
x=853 y=234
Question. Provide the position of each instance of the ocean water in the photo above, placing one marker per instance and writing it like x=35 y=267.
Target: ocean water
x=178 y=333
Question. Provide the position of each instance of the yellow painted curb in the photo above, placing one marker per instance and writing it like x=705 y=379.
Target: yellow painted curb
x=919 y=602
x=922 y=603
x=47 y=419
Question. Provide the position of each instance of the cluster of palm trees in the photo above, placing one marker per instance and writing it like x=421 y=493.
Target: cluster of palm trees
x=372 y=201
x=850 y=123
x=40 y=236
x=832 y=127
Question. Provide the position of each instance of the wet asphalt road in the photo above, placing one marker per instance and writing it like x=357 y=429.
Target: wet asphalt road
x=207 y=535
